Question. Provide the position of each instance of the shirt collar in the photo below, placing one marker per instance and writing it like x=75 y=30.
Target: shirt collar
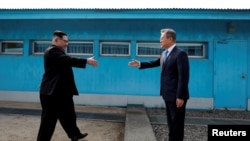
x=171 y=48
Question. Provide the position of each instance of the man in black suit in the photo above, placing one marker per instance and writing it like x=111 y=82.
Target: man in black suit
x=57 y=89
x=174 y=82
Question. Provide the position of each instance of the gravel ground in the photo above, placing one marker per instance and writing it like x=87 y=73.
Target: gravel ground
x=195 y=132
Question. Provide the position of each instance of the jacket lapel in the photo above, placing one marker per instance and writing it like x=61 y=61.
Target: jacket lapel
x=164 y=65
x=161 y=60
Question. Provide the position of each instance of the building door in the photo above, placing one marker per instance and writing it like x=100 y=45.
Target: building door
x=230 y=74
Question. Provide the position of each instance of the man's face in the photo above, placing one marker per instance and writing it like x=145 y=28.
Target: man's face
x=63 y=42
x=165 y=41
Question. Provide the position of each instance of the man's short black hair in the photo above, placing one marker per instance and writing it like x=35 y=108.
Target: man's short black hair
x=59 y=33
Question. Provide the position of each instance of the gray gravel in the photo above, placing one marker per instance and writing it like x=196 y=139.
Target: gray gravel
x=195 y=132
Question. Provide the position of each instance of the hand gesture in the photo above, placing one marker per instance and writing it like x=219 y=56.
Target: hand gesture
x=134 y=63
x=179 y=102
x=91 y=61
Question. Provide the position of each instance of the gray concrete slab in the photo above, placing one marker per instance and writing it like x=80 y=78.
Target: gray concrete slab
x=137 y=125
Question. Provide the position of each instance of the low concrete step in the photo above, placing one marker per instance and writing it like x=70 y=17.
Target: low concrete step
x=137 y=125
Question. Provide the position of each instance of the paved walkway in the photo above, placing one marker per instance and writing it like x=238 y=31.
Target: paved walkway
x=137 y=125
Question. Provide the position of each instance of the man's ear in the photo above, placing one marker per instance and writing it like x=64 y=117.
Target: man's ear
x=171 y=38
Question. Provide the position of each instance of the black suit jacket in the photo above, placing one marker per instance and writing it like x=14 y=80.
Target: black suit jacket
x=174 y=75
x=58 y=78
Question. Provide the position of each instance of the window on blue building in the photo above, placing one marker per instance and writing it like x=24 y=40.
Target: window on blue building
x=115 y=48
x=194 y=50
x=80 y=48
x=11 y=47
x=74 y=47
x=40 y=46
x=149 y=49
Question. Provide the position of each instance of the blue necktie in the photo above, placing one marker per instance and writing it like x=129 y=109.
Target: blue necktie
x=165 y=56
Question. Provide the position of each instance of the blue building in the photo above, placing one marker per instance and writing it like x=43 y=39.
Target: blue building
x=216 y=40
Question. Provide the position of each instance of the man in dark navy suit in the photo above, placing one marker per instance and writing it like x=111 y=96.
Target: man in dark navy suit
x=174 y=82
x=57 y=89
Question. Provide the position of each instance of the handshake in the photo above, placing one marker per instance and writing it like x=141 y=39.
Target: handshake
x=91 y=61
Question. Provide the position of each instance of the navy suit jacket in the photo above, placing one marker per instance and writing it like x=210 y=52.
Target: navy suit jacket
x=58 y=78
x=174 y=75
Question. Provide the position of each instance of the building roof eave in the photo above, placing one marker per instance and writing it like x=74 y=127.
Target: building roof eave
x=173 y=13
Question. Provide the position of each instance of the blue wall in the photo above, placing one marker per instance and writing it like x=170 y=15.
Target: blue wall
x=113 y=76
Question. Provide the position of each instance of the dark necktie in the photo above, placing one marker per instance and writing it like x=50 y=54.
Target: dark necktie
x=165 y=56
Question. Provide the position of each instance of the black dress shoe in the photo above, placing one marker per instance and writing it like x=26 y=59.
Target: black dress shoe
x=79 y=136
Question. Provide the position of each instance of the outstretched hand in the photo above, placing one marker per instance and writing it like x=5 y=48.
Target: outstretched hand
x=91 y=61
x=134 y=63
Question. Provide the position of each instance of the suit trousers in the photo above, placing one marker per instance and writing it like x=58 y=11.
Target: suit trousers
x=175 y=119
x=57 y=108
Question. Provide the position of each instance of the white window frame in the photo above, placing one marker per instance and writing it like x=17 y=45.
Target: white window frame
x=203 y=45
x=81 y=42
x=14 y=53
x=70 y=42
x=115 y=43
x=39 y=42
x=153 y=45
x=194 y=44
